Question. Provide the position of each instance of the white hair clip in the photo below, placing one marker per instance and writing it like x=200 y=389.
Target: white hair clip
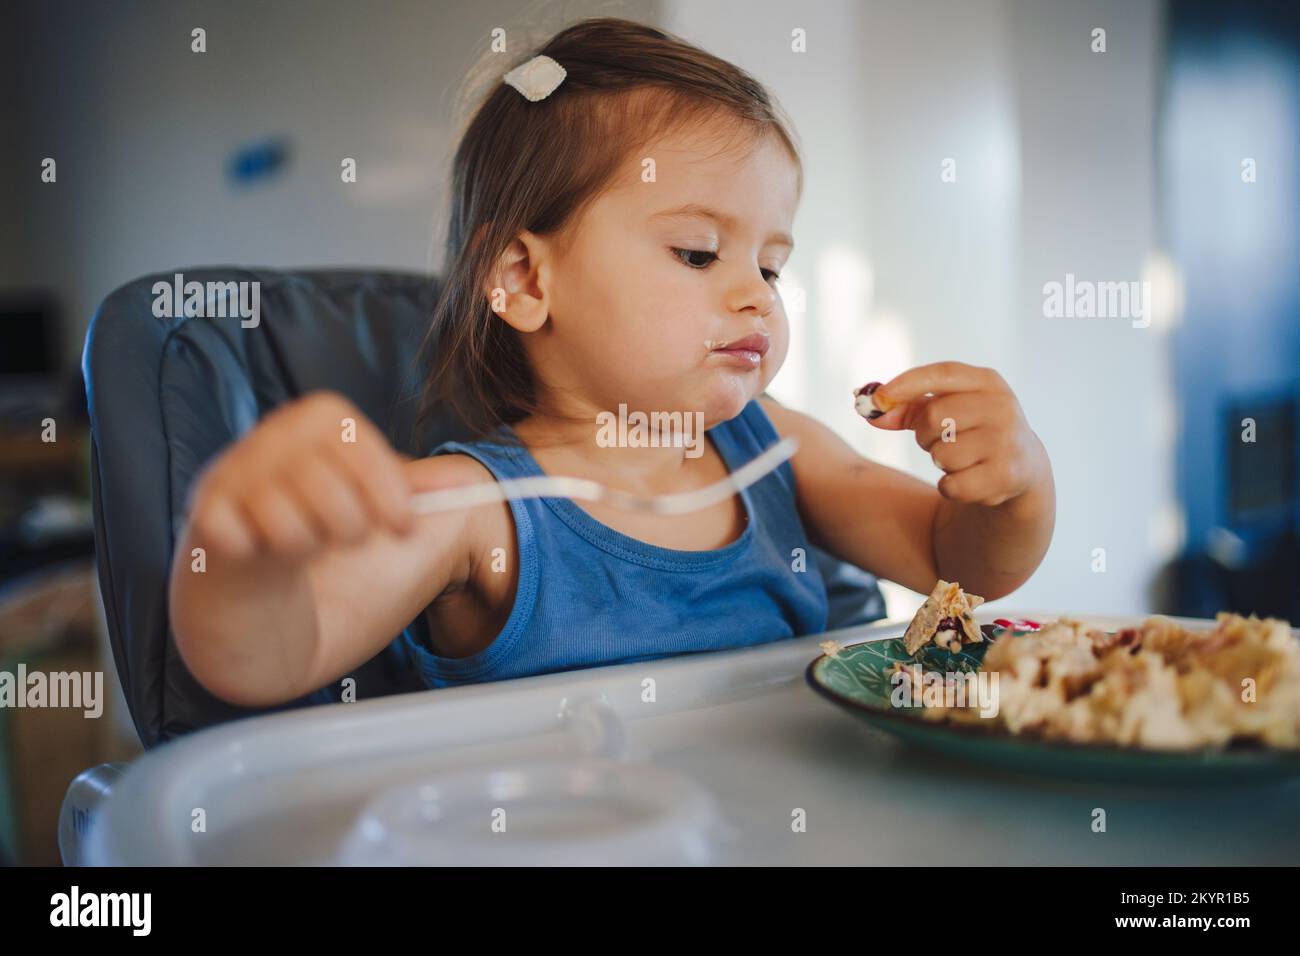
x=536 y=79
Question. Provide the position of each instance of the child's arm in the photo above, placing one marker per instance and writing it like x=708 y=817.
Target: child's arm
x=312 y=559
x=989 y=522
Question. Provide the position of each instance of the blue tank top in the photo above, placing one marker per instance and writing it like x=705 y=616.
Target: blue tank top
x=588 y=595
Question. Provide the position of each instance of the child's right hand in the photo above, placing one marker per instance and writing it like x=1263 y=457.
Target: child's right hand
x=315 y=473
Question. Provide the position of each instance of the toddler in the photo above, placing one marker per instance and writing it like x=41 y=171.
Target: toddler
x=622 y=207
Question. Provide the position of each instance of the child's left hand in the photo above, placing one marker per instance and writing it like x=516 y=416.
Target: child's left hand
x=973 y=427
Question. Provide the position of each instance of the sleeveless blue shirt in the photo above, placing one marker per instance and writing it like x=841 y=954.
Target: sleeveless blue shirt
x=588 y=595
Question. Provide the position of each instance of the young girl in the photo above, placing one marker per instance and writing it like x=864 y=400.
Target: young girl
x=622 y=207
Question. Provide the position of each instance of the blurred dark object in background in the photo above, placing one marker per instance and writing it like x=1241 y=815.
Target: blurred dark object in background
x=45 y=513
x=1201 y=585
x=30 y=348
x=258 y=162
x=1250 y=561
x=1228 y=142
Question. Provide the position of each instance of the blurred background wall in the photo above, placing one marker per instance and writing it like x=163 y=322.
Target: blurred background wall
x=1053 y=153
x=1124 y=163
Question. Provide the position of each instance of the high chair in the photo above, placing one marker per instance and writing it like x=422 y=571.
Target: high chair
x=166 y=394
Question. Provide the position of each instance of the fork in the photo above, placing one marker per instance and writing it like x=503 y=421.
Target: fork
x=560 y=486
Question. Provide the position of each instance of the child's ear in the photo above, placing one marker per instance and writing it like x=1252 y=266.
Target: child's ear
x=515 y=291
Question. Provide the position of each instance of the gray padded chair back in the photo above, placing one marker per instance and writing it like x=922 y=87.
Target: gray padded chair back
x=167 y=394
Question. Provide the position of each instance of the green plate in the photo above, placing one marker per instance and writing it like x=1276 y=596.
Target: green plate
x=858 y=681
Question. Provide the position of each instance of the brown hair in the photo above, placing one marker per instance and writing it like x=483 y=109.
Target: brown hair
x=535 y=166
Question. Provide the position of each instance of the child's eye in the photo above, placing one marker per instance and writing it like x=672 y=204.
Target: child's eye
x=682 y=254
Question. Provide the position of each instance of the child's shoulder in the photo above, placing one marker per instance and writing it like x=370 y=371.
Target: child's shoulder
x=447 y=470
x=774 y=409
x=451 y=470
x=485 y=527
x=787 y=421
x=819 y=446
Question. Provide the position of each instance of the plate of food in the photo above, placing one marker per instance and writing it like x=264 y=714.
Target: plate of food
x=1160 y=701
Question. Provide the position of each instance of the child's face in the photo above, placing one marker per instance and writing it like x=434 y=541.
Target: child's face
x=640 y=298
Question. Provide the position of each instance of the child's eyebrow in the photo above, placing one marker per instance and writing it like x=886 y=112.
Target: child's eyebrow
x=697 y=209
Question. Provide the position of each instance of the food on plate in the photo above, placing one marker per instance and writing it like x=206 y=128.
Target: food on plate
x=1158 y=685
x=946 y=619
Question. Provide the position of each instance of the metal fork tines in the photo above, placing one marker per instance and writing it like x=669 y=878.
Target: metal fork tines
x=559 y=486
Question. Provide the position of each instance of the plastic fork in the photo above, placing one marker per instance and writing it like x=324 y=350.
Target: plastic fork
x=559 y=486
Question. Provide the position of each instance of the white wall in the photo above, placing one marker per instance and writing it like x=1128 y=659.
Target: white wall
x=1099 y=391
x=1054 y=174
x=142 y=130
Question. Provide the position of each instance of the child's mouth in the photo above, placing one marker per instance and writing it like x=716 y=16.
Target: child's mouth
x=747 y=351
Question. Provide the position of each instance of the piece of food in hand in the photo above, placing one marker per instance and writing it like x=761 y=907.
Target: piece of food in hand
x=868 y=403
x=946 y=619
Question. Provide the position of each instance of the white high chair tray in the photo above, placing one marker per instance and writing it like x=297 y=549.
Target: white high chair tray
x=736 y=760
